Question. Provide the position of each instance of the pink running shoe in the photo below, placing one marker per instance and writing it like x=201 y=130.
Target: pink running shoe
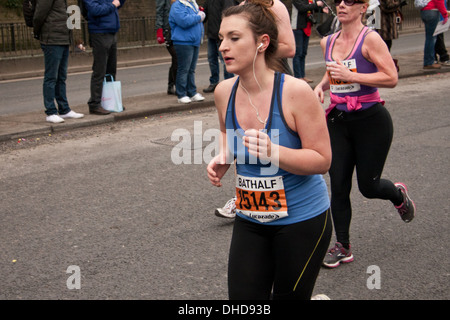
x=336 y=255
x=407 y=208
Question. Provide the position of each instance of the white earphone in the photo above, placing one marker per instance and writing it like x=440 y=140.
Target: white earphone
x=260 y=45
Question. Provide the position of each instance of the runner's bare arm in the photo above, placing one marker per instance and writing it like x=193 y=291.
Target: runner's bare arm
x=286 y=40
x=219 y=165
x=324 y=84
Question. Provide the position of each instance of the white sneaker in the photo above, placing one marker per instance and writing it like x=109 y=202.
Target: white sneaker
x=197 y=97
x=228 y=211
x=72 y=114
x=185 y=99
x=54 y=118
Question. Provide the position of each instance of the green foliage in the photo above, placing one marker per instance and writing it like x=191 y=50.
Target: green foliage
x=10 y=10
x=11 y=4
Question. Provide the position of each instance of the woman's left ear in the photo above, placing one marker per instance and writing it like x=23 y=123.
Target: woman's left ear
x=265 y=40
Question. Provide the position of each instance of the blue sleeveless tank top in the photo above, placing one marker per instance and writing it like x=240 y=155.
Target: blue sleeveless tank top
x=356 y=63
x=265 y=193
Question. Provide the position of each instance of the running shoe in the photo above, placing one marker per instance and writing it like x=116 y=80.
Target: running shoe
x=336 y=255
x=228 y=211
x=407 y=208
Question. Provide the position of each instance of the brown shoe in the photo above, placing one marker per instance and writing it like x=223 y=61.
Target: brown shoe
x=308 y=80
x=432 y=66
x=210 y=89
x=99 y=111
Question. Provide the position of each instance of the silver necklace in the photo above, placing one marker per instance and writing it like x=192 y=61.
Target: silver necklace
x=254 y=107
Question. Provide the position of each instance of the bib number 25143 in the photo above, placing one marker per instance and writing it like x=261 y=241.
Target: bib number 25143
x=262 y=199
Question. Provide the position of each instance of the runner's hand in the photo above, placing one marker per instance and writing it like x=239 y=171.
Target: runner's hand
x=319 y=93
x=258 y=144
x=339 y=71
x=216 y=169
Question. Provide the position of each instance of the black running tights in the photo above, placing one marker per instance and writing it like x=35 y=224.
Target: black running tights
x=360 y=140
x=286 y=258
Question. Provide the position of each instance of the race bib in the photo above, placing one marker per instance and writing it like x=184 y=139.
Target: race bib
x=262 y=199
x=338 y=86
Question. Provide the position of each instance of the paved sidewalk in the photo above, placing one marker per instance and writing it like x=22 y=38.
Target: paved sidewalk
x=33 y=123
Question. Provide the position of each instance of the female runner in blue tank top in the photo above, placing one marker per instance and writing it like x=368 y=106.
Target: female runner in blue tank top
x=361 y=130
x=275 y=128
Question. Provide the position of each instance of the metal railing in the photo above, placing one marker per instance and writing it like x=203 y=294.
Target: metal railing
x=411 y=17
x=133 y=32
x=16 y=39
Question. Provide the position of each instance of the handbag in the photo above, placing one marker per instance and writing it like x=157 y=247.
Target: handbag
x=112 y=95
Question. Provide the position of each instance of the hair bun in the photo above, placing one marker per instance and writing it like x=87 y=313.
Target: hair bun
x=263 y=3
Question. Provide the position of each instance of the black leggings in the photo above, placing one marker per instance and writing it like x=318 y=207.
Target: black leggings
x=286 y=258
x=362 y=140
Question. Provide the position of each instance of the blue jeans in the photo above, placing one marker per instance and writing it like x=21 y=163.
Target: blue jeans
x=301 y=49
x=213 y=58
x=187 y=57
x=56 y=60
x=430 y=18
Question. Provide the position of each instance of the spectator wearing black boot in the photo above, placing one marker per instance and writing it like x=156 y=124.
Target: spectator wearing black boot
x=440 y=50
x=103 y=24
x=163 y=36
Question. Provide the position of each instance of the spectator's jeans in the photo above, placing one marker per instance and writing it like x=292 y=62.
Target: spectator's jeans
x=187 y=57
x=56 y=60
x=104 y=50
x=214 y=56
x=301 y=49
x=430 y=18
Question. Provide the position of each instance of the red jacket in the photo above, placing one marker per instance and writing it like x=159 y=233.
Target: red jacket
x=437 y=4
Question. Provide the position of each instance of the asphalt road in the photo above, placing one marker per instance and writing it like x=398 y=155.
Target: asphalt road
x=107 y=206
x=25 y=95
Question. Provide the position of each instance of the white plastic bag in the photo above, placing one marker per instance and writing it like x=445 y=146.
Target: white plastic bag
x=112 y=95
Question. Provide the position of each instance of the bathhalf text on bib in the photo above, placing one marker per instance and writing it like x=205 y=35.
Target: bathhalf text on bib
x=261 y=198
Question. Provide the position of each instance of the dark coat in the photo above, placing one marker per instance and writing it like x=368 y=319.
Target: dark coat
x=50 y=22
x=102 y=16
x=303 y=6
x=162 y=18
x=213 y=11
